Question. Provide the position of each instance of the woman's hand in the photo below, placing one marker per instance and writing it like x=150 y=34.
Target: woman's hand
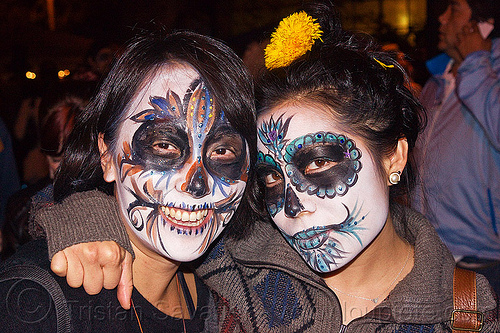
x=96 y=265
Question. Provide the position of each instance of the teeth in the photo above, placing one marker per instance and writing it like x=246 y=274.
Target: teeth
x=184 y=217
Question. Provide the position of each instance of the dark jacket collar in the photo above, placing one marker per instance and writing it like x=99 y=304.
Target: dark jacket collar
x=424 y=296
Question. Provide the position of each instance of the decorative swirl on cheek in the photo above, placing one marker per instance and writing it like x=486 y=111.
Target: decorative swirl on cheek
x=136 y=217
x=225 y=208
x=325 y=247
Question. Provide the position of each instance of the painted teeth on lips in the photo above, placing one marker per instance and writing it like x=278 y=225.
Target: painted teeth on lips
x=185 y=218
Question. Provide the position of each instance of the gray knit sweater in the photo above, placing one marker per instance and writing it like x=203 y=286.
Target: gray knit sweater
x=83 y=217
x=263 y=285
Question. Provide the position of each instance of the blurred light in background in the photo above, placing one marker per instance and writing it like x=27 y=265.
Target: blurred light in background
x=372 y=16
x=63 y=73
x=30 y=75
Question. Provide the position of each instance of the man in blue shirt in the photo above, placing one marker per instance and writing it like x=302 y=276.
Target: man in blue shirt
x=459 y=152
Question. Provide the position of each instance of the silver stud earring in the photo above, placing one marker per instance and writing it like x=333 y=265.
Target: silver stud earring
x=395 y=177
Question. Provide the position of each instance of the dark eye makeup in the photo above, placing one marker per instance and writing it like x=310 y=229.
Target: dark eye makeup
x=225 y=153
x=160 y=145
x=318 y=157
x=273 y=181
x=225 y=149
x=322 y=163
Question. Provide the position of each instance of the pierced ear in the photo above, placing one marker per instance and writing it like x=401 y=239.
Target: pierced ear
x=397 y=161
x=107 y=165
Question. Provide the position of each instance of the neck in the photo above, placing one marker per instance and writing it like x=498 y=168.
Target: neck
x=457 y=60
x=373 y=274
x=152 y=276
x=155 y=279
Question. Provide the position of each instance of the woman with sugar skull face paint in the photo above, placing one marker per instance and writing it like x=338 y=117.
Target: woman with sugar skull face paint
x=342 y=254
x=181 y=168
x=323 y=189
x=336 y=128
x=171 y=133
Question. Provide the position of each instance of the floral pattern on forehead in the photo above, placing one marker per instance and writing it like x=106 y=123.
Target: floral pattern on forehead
x=272 y=135
x=191 y=115
x=199 y=111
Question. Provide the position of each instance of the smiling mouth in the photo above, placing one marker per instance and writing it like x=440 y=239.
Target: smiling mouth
x=186 y=219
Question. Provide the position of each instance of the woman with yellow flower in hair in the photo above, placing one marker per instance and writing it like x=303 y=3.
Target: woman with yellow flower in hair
x=336 y=128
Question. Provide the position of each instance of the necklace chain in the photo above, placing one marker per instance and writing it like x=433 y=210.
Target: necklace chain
x=136 y=316
x=376 y=299
x=180 y=303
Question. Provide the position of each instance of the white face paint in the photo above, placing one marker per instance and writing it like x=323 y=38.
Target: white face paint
x=182 y=167
x=322 y=186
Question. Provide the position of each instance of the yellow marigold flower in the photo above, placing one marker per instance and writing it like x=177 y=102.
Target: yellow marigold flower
x=294 y=36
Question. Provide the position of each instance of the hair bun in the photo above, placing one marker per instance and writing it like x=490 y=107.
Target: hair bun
x=328 y=18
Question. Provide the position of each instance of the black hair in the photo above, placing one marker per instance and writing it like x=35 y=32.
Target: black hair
x=483 y=10
x=222 y=71
x=364 y=89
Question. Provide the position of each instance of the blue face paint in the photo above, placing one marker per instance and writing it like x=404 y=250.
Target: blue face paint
x=319 y=246
x=323 y=194
x=337 y=150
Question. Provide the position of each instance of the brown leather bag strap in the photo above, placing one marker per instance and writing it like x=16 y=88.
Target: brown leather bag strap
x=465 y=317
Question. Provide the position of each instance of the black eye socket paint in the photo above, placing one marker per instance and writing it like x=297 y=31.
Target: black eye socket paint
x=275 y=193
x=327 y=152
x=225 y=153
x=338 y=151
x=147 y=141
x=270 y=177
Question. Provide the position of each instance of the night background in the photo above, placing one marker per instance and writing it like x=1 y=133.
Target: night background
x=43 y=37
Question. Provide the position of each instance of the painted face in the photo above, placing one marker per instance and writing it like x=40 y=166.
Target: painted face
x=182 y=167
x=322 y=186
x=455 y=17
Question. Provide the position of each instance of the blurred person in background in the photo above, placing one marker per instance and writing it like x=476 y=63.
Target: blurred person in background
x=9 y=180
x=57 y=114
x=250 y=47
x=30 y=162
x=459 y=152
x=98 y=60
x=405 y=62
